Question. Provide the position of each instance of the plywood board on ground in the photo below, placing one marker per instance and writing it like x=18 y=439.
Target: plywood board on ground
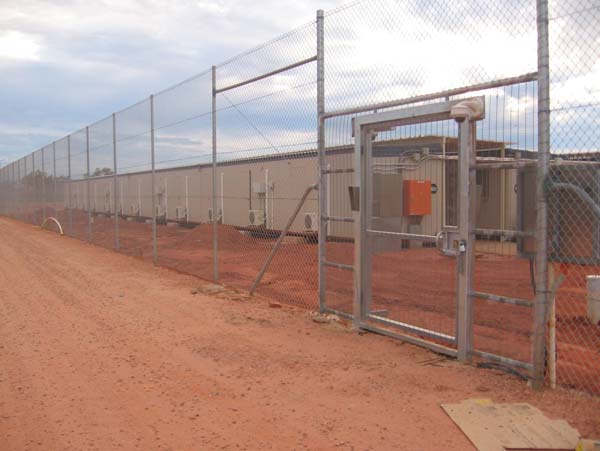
x=510 y=427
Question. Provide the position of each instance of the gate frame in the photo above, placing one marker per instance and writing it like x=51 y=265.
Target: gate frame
x=466 y=112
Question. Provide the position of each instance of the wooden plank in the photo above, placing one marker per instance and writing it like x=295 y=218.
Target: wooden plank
x=516 y=426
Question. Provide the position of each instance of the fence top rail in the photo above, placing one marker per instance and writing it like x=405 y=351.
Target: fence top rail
x=524 y=78
x=267 y=74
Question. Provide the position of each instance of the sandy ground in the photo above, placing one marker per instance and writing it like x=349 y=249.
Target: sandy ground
x=104 y=351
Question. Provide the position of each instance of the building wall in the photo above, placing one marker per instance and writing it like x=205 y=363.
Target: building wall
x=241 y=187
x=498 y=210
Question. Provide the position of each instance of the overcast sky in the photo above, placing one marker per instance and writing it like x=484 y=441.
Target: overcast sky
x=65 y=64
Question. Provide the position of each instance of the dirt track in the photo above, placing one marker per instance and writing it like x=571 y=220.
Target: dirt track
x=104 y=351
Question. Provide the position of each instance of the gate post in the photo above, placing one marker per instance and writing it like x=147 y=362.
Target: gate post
x=466 y=227
x=543 y=163
x=323 y=221
x=359 y=254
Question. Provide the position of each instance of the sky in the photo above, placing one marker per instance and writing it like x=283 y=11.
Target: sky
x=65 y=64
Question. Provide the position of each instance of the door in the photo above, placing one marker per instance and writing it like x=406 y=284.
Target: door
x=414 y=226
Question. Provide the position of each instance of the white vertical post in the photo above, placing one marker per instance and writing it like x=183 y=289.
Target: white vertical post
x=121 y=196
x=266 y=198
x=139 y=196
x=222 y=198
x=166 y=198
x=187 y=199
x=321 y=159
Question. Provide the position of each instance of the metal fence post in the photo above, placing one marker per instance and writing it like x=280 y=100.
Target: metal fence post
x=54 y=176
x=115 y=197
x=543 y=162
x=35 y=196
x=214 y=177
x=466 y=227
x=13 y=207
x=152 y=163
x=88 y=184
x=9 y=202
x=43 y=174
x=321 y=161
x=69 y=206
x=23 y=210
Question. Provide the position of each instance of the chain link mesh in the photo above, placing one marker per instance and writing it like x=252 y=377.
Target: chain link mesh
x=573 y=191
x=142 y=180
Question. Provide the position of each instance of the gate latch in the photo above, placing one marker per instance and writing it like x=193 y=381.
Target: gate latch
x=447 y=245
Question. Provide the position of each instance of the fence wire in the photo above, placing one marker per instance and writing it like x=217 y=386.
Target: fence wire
x=573 y=191
x=209 y=175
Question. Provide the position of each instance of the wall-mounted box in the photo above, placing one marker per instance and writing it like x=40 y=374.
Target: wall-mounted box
x=416 y=198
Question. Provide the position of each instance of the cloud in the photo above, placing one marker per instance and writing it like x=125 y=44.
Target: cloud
x=67 y=63
x=19 y=46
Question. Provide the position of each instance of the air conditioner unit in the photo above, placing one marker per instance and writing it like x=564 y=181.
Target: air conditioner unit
x=160 y=211
x=256 y=217
x=210 y=215
x=181 y=213
x=311 y=222
x=134 y=210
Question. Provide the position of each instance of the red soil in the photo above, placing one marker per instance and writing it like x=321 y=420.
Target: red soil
x=415 y=286
x=103 y=351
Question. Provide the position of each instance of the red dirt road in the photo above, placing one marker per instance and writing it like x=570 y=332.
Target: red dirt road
x=103 y=351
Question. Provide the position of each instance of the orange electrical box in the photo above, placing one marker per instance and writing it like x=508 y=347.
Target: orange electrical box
x=416 y=197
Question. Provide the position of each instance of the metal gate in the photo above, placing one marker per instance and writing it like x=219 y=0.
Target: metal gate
x=414 y=216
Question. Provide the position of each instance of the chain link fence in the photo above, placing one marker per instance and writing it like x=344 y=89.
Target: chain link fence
x=241 y=175
x=573 y=191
